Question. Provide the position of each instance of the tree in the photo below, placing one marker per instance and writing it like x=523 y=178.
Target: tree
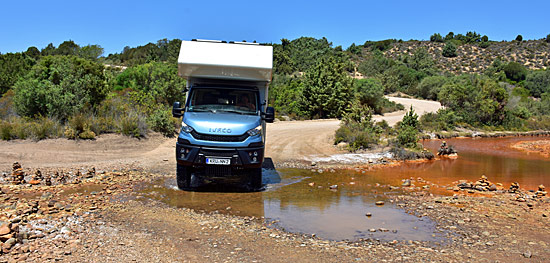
x=68 y=47
x=92 y=52
x=449 y=50
x=519 y=38
x=484 y=38
x=430 y=86
x=449 y=36
x=59 y=86
x=370 y=92
x=515 y=71
x=436 y=38
x=158 y=80
x=49 y=50
x=12 y=67
x=538 y=82
x=408 y=130
x=548 y=38
x=327 y=89
x=33 y=52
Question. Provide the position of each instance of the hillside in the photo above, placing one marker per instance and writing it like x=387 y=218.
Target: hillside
x=471 y=58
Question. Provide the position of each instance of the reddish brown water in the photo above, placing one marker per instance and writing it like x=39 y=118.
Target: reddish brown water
x=493 y=157
x=302 y=201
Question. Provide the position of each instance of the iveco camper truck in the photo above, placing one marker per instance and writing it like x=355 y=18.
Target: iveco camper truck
x=225 y=113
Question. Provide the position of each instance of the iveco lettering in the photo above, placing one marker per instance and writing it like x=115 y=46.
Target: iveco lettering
x=225 y=113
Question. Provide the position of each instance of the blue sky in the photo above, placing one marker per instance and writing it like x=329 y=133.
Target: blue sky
x=115 y=24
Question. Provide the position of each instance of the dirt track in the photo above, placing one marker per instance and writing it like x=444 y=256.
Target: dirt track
x=286 y=141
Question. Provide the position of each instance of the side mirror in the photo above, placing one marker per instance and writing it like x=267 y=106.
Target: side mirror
x=177 y=111
x=269 y=115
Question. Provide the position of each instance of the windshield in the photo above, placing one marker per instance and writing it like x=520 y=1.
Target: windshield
x=216 y=100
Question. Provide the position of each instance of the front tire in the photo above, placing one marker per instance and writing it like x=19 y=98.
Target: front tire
x=256 y=178
x=183 y=176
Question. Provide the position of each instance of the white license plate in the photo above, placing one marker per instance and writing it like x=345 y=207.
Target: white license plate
x=218 y=161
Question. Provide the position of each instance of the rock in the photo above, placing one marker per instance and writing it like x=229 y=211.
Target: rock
x=372 y=230
x=383 y=230
x=486 y=233
x=527 y=254
x=334 y=186
x=311 y=184
x=368 y=214
x=406 y=183
x=493 y=187
x=490 y=243
x=5 y=229
x=313 y=163
x=10 y=242
x=379 y=203
x=34 y=182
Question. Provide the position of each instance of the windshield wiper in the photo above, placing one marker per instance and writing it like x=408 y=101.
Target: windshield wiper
x=233 y=111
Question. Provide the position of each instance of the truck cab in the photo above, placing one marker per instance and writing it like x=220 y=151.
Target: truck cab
x=225 y=113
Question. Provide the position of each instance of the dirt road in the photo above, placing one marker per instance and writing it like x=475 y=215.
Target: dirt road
x=286 y=141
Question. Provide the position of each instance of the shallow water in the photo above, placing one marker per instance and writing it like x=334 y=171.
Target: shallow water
x=301 y=200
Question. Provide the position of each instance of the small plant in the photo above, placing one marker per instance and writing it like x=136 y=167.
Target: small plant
x=449 y=51
x=161 y=121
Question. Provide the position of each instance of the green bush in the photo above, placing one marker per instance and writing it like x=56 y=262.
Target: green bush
x=358 y=129
x=538 y=82
x=548 y=38
x=430 y=86
x=519 y=38
x=407 y=137
x=6 y=130
x=43 y=128
x=59 y=86
x=436 y=38
x=161 y=121
x=515 y=71
x=449 y=51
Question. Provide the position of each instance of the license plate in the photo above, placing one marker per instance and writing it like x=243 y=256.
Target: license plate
x=218 y=161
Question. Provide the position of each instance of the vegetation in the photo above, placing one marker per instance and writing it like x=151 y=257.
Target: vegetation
x=75 y=92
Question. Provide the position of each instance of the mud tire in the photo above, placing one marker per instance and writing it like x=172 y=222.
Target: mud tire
x=256 y=178
x=183 y=177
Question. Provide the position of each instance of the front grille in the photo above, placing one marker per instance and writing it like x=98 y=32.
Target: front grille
x=218 y=153
x=217 y=170
x=219 y=138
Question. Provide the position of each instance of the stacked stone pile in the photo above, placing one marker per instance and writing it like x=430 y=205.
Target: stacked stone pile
x=17 y=174
x=483 y=184
x=8 y=236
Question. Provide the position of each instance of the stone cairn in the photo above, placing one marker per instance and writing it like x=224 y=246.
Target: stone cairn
x=36 y=178
x=514 y=188
x=48 y=180
x=483 y=184
x=541 y=192
x=17 y=174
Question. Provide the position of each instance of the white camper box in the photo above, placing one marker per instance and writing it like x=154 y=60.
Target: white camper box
x=201 y=60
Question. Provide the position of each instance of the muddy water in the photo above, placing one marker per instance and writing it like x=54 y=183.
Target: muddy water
x=302 y=200
x=493 y=157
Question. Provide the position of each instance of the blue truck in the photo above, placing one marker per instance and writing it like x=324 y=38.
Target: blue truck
x=224 y=117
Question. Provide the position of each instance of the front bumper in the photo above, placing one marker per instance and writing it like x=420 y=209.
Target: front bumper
x=240 y=157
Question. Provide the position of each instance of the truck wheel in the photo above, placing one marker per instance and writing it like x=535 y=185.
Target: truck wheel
x=183 y=177
x=256 y=178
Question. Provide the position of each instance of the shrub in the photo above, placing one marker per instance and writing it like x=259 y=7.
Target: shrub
x=519 y=38
x=161 y=121
x=87 y=135
x=132 y=125
x=407 y=137
x=538 y=82
x=436 y=38
x=59 y=86
x=484 y=44
x=6 y=130
x=484 y=38
x=548 y=38
x=449 y=50
x=430 y=86
x=44 y=128
x=358 y=129
x=515 y=71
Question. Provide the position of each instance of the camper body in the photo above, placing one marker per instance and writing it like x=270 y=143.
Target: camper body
x=225 y=113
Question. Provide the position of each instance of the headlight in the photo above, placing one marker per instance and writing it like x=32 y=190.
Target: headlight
x=186 y=128
x=255 y=131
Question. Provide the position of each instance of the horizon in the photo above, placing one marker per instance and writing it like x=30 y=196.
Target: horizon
x=114 y=26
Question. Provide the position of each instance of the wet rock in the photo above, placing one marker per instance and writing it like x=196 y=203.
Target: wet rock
x=34 y=182
x=334 y=186
x=406 y=183
x=379 y=203
x=514 y=187
x=368 y=214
